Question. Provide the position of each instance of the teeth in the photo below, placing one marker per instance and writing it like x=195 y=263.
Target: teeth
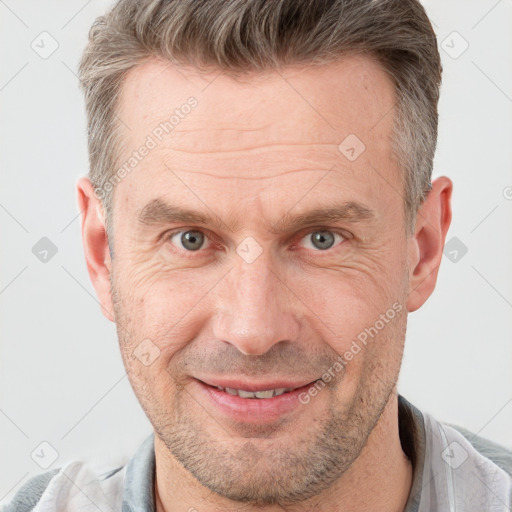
x=264 y=394
x=255 y=394
x=245 y=394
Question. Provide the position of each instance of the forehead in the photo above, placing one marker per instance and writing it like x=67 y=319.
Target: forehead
x=347 y=96
x=276 y=133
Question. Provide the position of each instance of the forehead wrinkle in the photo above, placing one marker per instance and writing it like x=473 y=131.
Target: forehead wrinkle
x=250 y=178
x=268 y=164
x=260 y=148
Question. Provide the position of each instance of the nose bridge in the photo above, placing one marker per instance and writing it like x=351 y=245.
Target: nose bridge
x=254 y=312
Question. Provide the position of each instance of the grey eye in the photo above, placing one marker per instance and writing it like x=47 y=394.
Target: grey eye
x=191 y=240
x=322 y=240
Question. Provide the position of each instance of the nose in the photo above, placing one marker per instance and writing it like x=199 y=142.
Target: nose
x=255 y=308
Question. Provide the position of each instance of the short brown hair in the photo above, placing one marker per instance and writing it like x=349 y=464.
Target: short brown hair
x=240 y=36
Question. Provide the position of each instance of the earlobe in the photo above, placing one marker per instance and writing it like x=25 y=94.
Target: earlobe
x=426 y=246
x=95 y=244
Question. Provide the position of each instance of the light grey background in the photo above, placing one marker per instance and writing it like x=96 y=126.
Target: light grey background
x=61 y=376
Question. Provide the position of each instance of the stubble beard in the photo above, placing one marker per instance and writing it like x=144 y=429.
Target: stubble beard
x=280 y=470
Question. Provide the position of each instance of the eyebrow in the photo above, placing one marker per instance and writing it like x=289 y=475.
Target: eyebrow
x=158 y=211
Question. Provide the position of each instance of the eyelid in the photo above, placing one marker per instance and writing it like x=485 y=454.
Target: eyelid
x=338 y=231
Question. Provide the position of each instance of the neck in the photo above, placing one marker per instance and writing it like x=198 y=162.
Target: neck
x=379 y=479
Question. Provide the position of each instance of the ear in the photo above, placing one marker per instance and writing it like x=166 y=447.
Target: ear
x=94 y=237
x=426 y=246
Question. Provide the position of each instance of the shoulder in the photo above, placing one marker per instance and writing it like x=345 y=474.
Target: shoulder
x=423 y=427
x=453 y=467
x=76 y=485
x=494 y=452
x=466 y=469
x=30 y=493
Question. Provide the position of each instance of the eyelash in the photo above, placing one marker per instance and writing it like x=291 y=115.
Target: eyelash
x=168 y=236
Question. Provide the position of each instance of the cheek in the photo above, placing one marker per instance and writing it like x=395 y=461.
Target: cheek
x=150 y=336
x=350 y=299
x=163 y=306
x=358 y=309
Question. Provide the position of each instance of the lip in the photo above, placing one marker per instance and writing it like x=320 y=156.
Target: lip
x=252 y=410
x=255 y=386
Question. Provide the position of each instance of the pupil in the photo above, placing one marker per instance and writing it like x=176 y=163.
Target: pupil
x=192 y=240
x=322 y=239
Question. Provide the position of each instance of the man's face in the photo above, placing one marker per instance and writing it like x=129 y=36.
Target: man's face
x=257 y=301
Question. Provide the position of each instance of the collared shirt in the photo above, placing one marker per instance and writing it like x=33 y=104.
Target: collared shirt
x=453 y=471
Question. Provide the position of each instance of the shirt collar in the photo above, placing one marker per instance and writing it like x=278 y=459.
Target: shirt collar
x=139 y=480
x=411 y=428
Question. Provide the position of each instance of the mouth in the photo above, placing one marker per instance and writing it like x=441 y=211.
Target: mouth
x=248 y=402
x=268 y=393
